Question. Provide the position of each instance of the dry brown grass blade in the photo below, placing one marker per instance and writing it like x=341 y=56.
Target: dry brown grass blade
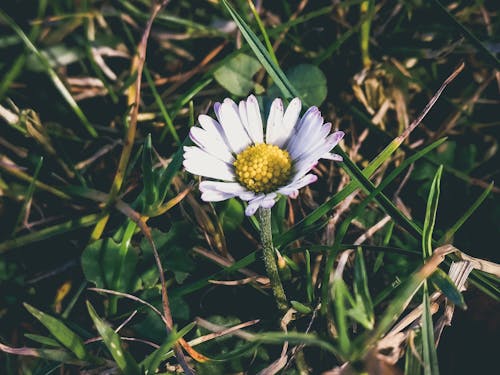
x=134 y=99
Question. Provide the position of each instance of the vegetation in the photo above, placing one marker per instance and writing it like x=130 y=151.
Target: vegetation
x=111 y=263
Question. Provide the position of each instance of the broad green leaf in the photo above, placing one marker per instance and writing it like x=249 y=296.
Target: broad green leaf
x=428 y=345
x=308 y=80
x=102 y=259
x=111 y=339
x=237 y=73
x=232 y=215
x=448 y=287
x=430 y=214
x=61 y=332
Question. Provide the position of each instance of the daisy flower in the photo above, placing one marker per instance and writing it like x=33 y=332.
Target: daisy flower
x=243 y=159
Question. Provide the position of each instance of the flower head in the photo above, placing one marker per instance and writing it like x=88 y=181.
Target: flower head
x=256 y=164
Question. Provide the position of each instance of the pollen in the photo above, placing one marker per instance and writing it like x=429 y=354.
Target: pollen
x=262 y=168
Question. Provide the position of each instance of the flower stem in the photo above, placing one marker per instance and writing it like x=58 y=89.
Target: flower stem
x=266 y=237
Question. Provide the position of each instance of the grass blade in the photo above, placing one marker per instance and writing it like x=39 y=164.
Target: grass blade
x=52 y=74
x=428 y=346
x=262 y=55
x=430 y=214
x=112 y=340
x=455 y=227
x=61 y=332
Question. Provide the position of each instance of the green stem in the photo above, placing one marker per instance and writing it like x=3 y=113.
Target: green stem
x=266 y=238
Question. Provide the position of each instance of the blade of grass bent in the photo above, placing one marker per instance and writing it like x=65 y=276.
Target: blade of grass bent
x=262 y=55
x=458 y=224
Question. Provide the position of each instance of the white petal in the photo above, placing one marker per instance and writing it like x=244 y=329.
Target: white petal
x=199 y=162
x=232 y=188
x=290 y=118
x=265 y=201
x=254 y=127
x=253 y=205
x=214 y=145
x=293 y=187
x=308 y=130
x=234 y=130
x=268 y=201
x=274 y=120
x=332 y=156
x=215 y=196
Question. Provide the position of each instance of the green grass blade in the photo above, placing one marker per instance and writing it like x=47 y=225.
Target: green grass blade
x=361 y=291
x=262 y=55
x=262 y=29
x=441 y=279
x=61 y=332
x=339 y=295
x=455 y=227
x=293 y=233
x=52 y=74
x=151 y=363
x=29 y=194
x=122 y=357
x=52 y=231
x=159 y=103
x=428 y=346
x=430 y=214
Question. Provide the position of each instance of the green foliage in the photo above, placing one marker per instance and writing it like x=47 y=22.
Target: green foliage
x=61 y=332
x=237 y=73
x=308 y=80
x=56 y=178
x=111 y=339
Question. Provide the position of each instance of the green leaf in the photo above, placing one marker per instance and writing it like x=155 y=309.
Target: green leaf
x=101 y=260
x=111 y=339
x=361 y=292
x=308 y=80
x=232 y=215
x=340 y=298
x=262 y=55
x=237 y=73
x=308 y=222
x=448 y=287
x=151 y=363
x=300 y=307
x=61 y=332
x=455 y=227
x=430 y=214
x=44 y=340
x=428 y=346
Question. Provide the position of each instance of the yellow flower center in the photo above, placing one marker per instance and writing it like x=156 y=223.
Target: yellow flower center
x=262 y=168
